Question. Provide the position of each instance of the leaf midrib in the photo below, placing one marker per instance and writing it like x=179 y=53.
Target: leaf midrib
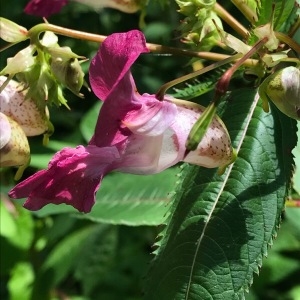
x=227 y=174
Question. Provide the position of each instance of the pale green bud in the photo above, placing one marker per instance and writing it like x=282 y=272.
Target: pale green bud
x=21 y=62
x=12 y=32
x=66 y=68
x=283 y=88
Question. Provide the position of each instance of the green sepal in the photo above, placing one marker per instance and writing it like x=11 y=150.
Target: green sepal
x=200 y=127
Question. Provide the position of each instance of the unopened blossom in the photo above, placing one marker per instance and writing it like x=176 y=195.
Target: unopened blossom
x=14 y=147
x=135 y=134
x=13 y=103
x=46 y=8
x=19 y=118
x=283 y=89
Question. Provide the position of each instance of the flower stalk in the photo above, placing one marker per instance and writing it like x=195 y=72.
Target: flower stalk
x=35 y=31
x=162 y=90
x=231 y=21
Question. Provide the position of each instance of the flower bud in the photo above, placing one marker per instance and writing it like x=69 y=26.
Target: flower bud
x=12 y=32
x=283 y=88
x=14 y=147
x=199 y=27
x=24 y=111
x=66 y=68
x=21 y=62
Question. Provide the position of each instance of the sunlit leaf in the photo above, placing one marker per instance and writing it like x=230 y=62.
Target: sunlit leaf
x=21 y=280
x=282 y=11
x=221 y=226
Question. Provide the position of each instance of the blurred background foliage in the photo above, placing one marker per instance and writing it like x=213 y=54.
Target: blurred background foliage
x=56 y=253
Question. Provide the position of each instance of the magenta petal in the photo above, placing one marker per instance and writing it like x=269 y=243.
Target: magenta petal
x=44 y=8
x=153 y=118
x=73 y=177
x=110 y=67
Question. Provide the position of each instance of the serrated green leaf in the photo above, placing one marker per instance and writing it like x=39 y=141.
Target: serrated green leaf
x=283 y=10
x=133 y=200
x=296 y=153
x=221 y=226
x=199 y=86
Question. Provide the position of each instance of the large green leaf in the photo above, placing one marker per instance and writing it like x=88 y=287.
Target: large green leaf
x=133 y=199
x=221 y=226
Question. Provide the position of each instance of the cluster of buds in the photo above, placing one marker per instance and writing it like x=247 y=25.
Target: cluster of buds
x=199 y=25
x=19 y=118
x=43 y=67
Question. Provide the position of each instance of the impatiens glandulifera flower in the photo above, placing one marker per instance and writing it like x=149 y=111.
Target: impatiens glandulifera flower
x=13 y=103
x=134 y=134
x=20 y=117
x=283 y=88
x=14 y=147
x=46 y=8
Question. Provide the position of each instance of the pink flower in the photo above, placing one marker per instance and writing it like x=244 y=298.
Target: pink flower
x=134 y=134
x=46 y=8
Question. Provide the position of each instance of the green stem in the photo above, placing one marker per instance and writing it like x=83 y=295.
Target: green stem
x=223 y=83
x=288 y=40
x=294 y=28
x=162 y=90
x=231 y=21
x=243 y=7
x=35 y=31
x=7 y=46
